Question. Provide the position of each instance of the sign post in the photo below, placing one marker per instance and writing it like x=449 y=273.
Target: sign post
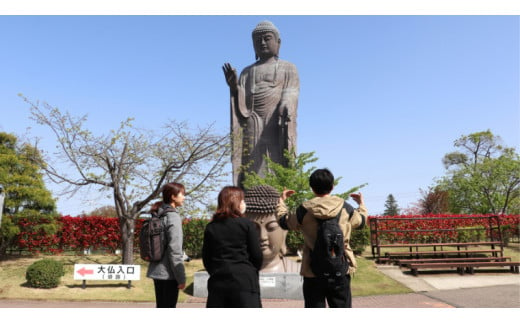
x=86 y=272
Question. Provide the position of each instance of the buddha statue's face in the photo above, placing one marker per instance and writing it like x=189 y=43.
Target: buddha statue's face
x=266 y=45
x=272 y=236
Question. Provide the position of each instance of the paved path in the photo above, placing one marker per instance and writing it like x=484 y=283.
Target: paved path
x=411 y=300
x=503 y=296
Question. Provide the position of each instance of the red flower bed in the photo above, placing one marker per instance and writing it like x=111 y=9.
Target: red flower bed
x=103 y=233
x=79 y=233
x=33 y=236
x=74 y=234
x=442 y=227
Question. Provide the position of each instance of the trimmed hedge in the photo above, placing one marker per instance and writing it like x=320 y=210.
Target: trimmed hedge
x=101 y=233
x=193 y=232
x=443 y=227
x=45 y=273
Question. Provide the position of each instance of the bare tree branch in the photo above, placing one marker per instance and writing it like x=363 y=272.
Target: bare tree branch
x=132 y=163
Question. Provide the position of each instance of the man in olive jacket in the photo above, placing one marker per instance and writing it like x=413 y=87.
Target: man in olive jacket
x=323 y=206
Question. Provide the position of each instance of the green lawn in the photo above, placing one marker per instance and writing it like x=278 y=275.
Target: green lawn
x=367 y=280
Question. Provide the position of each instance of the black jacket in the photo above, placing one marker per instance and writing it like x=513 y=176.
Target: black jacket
x=232 y=256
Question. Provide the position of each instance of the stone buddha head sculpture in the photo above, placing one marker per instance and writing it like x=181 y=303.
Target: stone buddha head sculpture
x=266 y=40
x=261 y=202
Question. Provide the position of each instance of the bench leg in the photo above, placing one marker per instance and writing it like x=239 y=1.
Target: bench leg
x=460 y=270
x=415 y=271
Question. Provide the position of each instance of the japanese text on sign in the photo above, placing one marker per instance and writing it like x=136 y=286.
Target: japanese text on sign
x=106 y=272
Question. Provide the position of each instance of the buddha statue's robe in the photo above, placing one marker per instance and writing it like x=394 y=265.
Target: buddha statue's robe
x=263 y=116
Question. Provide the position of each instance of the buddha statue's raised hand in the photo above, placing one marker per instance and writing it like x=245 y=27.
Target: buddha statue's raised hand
x=231 y=77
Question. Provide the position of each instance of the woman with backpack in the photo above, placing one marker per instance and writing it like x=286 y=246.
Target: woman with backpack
x=231 y=254
x=168 y=274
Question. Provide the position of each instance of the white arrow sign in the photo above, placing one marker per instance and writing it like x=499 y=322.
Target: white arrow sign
x=106 y=272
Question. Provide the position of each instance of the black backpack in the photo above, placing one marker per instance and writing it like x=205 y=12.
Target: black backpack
x=328 y=258
x=152 y=238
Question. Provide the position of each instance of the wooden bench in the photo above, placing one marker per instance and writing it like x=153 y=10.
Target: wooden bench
x=475 y=243
x=460 y=253
x=405 y=229
x=406 y=262
x=440 y=244
x=462 y=266
x=416 y=246
x=440 y=252
x=403 y=242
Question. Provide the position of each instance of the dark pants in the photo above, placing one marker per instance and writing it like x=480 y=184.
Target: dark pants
x=337 y=292
x=166 y=293
x=233 y=299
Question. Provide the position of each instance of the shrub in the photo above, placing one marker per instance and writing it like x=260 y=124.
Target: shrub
x=193 y=233
x=360 y=239
x=471 y=234
x=294 y=242
x=506 y=234
x=45 y=273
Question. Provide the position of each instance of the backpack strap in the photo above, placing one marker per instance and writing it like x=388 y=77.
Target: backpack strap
x=339 y=215
x=162 y=212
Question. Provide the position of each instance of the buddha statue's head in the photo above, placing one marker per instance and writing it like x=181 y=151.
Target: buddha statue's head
x=261 y=202
x=266 y=40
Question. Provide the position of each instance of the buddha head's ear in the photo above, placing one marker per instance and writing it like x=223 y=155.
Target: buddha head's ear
x=283 y=248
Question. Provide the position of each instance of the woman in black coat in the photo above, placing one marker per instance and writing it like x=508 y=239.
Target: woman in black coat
x=231 y=254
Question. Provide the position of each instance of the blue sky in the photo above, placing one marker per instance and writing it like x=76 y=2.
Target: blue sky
x=382 y=97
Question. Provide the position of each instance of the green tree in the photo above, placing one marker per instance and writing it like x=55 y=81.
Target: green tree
x=391 y=207
x=108 y=211
x=25 y=193
x=295 y=176
x=434 y=201
x=482 y=176
x=133 y=164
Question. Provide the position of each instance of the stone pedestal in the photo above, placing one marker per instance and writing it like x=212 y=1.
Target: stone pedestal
x=272 y=285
